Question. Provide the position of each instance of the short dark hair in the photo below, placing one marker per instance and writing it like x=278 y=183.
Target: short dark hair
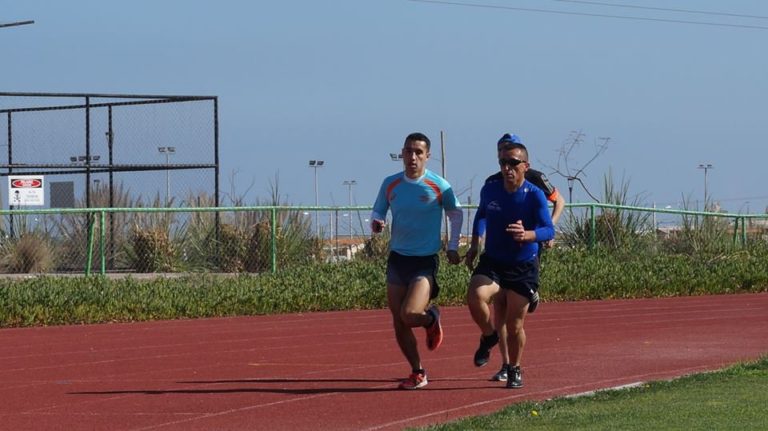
x=512 y=146
x=416 y=136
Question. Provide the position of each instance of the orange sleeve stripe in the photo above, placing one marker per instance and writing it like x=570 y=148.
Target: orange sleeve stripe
x=436 y=189
x=392 y=187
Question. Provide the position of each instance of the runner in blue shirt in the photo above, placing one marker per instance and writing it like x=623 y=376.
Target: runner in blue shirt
x=517 y=219
x=479 y=297
x=417 y=198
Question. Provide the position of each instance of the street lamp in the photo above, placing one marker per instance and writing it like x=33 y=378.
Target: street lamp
x=349 y=184
x=167 y=151
x=396 y=157
x=706 y=167
x=314 y=164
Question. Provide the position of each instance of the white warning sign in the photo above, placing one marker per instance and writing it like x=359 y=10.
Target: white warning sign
x=24 y=190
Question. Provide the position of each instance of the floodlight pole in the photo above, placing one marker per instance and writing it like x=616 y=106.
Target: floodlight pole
x=316 y=164
x=570 y=188
x=706 y=167
x=349 y=184
x=167 y=151
x=442 y=165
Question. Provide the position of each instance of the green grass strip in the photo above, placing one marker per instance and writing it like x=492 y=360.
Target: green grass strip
x=731 y=399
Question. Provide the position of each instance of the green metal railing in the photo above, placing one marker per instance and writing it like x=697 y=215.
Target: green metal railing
x=739 y=220
x=93 y=215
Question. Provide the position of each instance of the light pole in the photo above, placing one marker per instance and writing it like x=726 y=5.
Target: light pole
x=349 y=184
x=706 y=167
x=167 y=151
x=570 y=189
x=316 y=164
x=86 y=161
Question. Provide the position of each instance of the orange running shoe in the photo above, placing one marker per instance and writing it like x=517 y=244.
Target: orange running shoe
x=414 y=381
x=435 y=330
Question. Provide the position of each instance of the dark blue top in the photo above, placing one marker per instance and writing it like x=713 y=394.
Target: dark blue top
x=538 y=178
x=501 y=208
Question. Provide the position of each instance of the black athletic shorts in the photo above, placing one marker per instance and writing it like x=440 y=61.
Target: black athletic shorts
x=520 y=277
x=403 y=270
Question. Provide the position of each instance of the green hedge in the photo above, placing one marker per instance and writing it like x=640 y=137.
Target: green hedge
x=567 y=274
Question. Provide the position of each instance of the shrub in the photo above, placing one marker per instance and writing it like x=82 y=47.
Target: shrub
x=151 y=250
x=26 y=254
x=615 y=228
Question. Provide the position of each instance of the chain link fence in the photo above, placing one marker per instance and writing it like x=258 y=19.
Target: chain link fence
x=267 y=238
x=100 y=150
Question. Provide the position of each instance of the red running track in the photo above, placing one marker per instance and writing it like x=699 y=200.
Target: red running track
x=339 y=370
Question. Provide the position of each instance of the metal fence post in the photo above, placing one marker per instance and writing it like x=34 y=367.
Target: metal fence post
x=744 y=231
x=89 y=258
x=273 y=216
x=593 y=226
x=102 y=243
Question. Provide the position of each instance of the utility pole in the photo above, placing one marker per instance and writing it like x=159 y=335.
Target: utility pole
x=442 y=165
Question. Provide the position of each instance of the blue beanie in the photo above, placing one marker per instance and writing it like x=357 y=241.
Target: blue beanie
x=509 y=139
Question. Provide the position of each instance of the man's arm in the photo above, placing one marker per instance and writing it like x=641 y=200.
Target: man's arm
x=455 y=218
x=478 y=229
x=557 y=210
x=380 y=208
x=558 y=207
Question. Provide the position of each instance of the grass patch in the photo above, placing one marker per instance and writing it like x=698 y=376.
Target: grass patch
x=729 y=399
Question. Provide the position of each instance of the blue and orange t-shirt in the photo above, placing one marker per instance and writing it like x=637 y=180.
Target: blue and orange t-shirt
x=417 y=208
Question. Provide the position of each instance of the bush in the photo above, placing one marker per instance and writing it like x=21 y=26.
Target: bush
x=26 y=254
x=151 y=250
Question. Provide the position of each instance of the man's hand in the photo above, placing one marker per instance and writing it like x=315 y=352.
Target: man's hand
x=453 y=257
x=469 y=258
x=517 y=231
x=548 y=244
x=377 y=225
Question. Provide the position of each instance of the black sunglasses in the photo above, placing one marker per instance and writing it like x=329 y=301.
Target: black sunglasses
x=510 y=162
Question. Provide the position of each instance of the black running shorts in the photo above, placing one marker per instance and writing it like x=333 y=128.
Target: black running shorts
x=403 y=270
x=520 y=277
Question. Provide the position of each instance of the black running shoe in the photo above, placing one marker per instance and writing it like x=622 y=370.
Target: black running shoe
x=483 y=353
x=534 y=302
x=502 y=375
x=515 y=378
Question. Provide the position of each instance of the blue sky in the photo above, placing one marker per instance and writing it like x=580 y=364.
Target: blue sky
x=346 y=80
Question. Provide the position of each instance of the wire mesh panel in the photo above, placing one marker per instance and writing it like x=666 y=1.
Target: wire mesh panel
x=87 y=139
x=110 y=151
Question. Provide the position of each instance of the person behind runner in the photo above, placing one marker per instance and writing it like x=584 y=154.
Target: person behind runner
x=517 y=220
x=479 y=296
x=417 y=198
